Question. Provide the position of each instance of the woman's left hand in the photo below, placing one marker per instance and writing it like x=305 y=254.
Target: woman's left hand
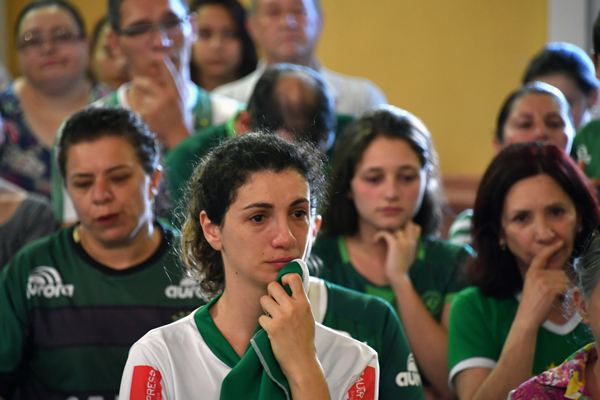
x=401 y=249
x=290 y=325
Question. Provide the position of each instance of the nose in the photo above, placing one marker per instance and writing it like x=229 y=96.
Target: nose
x=216 y=41
x=290 y=20
x=48 y=45
x=544 y=232
x=390 y=189
x=541 y=132
x=163 y=38
x=101 y=192
x=284 y=238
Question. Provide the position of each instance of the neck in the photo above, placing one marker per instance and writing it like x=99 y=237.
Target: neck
x=70 y=94
x=125 y=254
x=236 y=315
x=308 y=61
x=209 y=83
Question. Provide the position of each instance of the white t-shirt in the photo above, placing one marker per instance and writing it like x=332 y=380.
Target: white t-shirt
x=174 y=362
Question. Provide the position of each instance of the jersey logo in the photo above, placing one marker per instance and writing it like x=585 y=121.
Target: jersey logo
x=364 y=387
x=433 y=301
x=146 y=383
x=412 y=376
x=47 y=282
x=187 y=289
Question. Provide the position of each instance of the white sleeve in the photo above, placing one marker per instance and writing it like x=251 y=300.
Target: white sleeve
x=143 y=376
x=366 y=385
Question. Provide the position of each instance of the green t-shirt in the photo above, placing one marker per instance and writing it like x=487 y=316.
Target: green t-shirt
x=586 y=146
x=479 y=326
x=371 y=320
x=181 y=161
x=67 y=321
x=436 y=274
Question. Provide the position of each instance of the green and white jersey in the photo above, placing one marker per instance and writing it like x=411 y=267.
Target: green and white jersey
x=479 y=326
x=585 y=148
x=67 y=322
x=460 y=230
x=370 y=320
x=190 y=359
x=436 y=274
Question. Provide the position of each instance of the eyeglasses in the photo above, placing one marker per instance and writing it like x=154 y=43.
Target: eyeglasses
x=171 y=28
x=57 y=36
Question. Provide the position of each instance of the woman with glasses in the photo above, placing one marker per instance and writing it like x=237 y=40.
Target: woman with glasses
x=533 y=213
x=53 y=58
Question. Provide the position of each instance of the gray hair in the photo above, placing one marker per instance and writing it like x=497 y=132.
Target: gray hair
x=587 y=267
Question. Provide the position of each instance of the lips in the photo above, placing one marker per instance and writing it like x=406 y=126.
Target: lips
x=390 y=210
x=281 y=262
x=108 y=219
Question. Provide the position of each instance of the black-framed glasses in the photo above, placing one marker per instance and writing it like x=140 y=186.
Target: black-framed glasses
x=35 y=40
x=171 y=27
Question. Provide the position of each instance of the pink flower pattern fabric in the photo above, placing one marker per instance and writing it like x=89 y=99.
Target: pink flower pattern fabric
x=567 y=381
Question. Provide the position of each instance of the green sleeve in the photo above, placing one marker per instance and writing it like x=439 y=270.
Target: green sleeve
x=14 y=321
x=470 y=333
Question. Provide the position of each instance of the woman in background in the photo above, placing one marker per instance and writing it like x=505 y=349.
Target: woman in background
x=223 y=52
x=533 y=212
x=379 y=231
x=568 y=68
x=105 y=66
x=579 y=376
x=534 y=112
x=53 y=59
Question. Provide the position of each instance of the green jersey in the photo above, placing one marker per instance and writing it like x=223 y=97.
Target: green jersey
x=67 y=321
x=370 y=320
x=479 y=326
x=436 y=273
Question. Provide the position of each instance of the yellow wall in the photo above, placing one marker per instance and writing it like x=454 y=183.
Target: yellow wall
x=449 y=62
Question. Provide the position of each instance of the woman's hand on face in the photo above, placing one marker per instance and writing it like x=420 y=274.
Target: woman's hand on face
x=289 y=322
x=542 y=286
x=401 y=249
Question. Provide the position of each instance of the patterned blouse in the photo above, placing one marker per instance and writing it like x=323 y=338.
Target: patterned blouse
x=24 y=159
x=567 y=381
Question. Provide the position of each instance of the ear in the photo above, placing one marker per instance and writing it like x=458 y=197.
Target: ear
x=242 y=123
x=155 y=181
x=212 y=232
x=316 y=227
x=113 y=42
x=581 y=306
x=250 y=27
x=593 y=98
x=497 y=145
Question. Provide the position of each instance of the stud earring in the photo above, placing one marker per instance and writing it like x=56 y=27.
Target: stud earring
x=502 y=244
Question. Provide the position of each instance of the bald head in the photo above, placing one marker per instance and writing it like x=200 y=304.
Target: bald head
x=295 y=100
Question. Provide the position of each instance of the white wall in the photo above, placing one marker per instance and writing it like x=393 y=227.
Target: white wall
x=572 y=21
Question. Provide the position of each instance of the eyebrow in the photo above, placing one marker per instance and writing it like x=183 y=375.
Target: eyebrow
x=108 y=171
x=166 y=16
x=271 y=206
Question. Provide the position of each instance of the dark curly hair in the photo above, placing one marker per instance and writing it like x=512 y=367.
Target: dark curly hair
x=495 y=270
x=93 y=123
x=214 y=185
